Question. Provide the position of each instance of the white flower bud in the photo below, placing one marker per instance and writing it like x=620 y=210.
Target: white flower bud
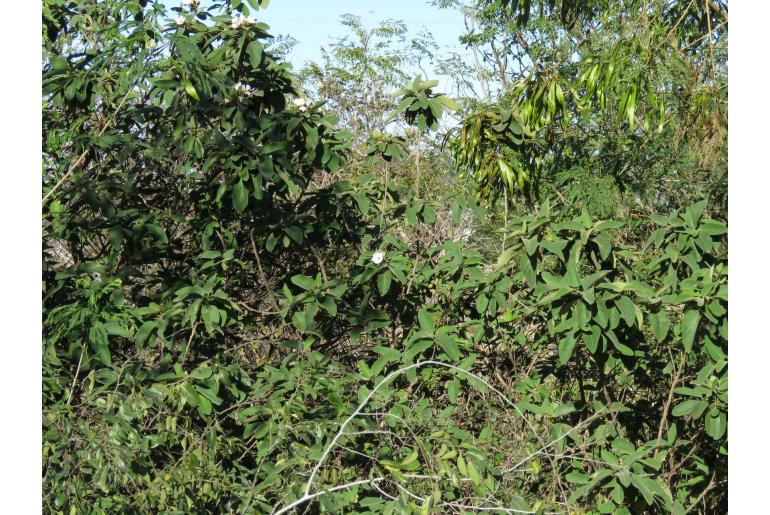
x=180 y=20
x=377 y=257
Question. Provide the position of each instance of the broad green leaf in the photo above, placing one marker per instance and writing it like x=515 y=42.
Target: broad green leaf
x=427 y=323
x=660 y=324
x=143 y=333
x=58 y=63
x=591 y=338
x=462 y=467
x=190 y=90
x=204 y=406
x=605 y=247
x=627 y=309
x=363 y=202
x=453 y=388
x=473 y=473
x=298 y=321
x=304 y=282
x=255 y=53
x=447 y=342
x=448 y=103
x=689 y=327
x=527 y=270
x=716 y=424
x=684 y=408
x=240 y=196
x=566 y=346
x=577 y=478
x=295 y=233
x=692 y=214
x=102 y=352
x=117 y=329
x=383 y=282
x=210 y=395
x=416 y=349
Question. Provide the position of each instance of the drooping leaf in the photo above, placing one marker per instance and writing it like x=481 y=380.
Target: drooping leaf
x=689 y=328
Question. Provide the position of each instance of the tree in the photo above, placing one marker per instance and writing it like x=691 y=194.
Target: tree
x=620 y=89
x=423 y=108
x=359 y=72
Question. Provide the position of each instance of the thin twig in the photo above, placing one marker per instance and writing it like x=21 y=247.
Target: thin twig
x=703 y=493
x=711 y=41
x=684 y=13
x=670 y=398
x=262 y=277
x=307 y=497
x=74 y=379
x=189 y=342
x=320 y=262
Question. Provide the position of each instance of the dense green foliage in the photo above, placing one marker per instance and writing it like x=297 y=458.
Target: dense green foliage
x=250 y=305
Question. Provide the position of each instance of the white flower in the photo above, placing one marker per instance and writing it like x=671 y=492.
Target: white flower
x=301 y=104
x=377 y=257
x=180 y=20
x=242 y=89
x=241 y=20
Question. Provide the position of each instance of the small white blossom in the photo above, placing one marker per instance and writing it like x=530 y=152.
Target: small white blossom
x=241 y=20
x=180 y=20
x=377 y=257
x=301 y=104
x=242 y=89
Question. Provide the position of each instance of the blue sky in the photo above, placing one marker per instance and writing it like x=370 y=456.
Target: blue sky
x=315 y=23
